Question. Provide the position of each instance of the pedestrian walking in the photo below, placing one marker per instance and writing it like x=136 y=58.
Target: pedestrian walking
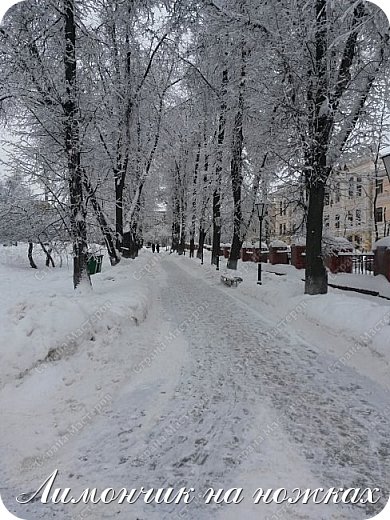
x=153 y=248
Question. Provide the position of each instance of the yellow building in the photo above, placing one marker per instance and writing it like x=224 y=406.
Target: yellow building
x=357 y=206
x=287 y=213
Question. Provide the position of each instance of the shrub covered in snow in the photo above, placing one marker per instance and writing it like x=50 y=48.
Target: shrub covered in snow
x=332 y=245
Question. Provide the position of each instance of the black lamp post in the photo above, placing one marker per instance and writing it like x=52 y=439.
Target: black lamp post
x=261 y=207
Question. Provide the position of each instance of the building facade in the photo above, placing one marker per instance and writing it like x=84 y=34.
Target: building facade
x=357 y=206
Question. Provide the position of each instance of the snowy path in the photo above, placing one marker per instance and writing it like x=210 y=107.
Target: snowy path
x=336 y=421
x=226 y=404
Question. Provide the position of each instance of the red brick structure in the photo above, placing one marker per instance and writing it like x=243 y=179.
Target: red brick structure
x=298 y=256
x=338 y=253
x=382 y=261
x=226 y=250
x=339 y=263
x=247 y=254
x=256 y=255
x=278 y=253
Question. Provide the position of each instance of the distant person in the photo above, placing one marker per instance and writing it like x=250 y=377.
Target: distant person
x=158 y=248
x=153 y=248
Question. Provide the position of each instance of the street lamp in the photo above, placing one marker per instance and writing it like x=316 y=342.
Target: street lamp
x=261 y=207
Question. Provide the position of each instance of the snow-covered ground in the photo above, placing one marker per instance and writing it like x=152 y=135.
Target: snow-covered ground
x=162 y=376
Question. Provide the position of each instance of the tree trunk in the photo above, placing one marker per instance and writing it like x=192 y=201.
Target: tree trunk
x=49 y=258
x=182 y=243
x=317 y=170
x=72 y=141
x=130 y=244
x=205 y=201
x=316 y=278
x=102 y=221
x=202 y=236
x=218 y=174
x=119 y=185
x=236 y=168
x=194 y=196
x=235 y=252
x=216 y=246
x=176 y=222
x=317 y=167
x=236 y=175
x=30 y=255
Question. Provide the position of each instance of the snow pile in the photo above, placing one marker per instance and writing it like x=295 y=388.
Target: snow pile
x=255 y=244
x=65 y=354
x=365 y=323
x=278 y=243
x=375 y=284
x=37 y=324
x=382 y=242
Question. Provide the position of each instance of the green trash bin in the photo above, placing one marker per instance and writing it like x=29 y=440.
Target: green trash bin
x=94 y=264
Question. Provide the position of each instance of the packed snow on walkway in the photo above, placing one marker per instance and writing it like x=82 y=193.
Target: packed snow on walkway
x=164 y=377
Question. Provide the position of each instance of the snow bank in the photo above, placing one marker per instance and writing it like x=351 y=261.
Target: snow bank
x=255 y=244
x=64 y=354
x=378 y=283
x=366 y=323
x=41 y=315
x=278 y=243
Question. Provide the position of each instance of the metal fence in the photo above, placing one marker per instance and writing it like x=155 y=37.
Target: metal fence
x=363 y=263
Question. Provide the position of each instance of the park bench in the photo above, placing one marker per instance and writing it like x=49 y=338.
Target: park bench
x=231 y=280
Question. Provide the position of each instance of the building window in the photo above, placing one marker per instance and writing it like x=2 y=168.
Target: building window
x=285 y=207
x=350 y=218
x=281 y=208
x=379 y=186
x=351 y=188
x=379 y=215
x=280 y=229
x=326 y=221
x=337 y=222
x=284 y=229
x=327 y=197
x=337 y=192
x=359 y=187
x=358 y=217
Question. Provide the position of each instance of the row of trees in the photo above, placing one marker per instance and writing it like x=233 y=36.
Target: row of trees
x=201 y=105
